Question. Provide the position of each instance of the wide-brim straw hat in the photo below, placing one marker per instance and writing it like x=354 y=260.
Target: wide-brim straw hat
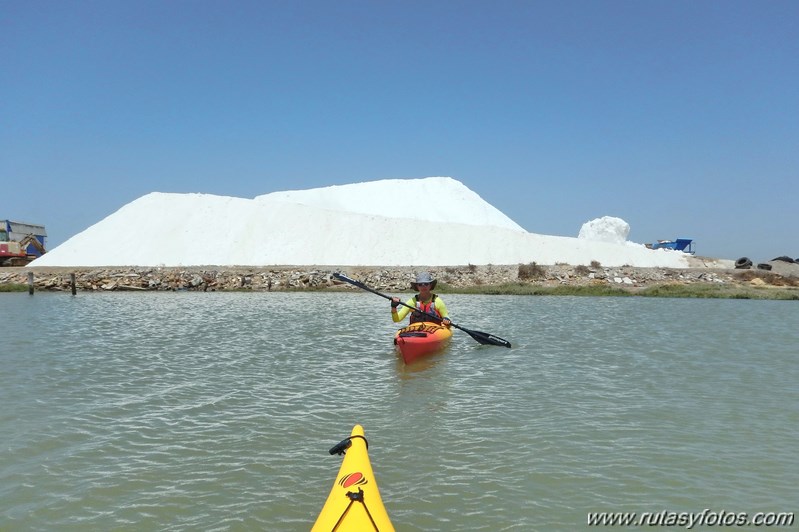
x=424 y=277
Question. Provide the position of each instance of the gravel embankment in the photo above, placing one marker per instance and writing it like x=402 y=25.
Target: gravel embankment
x=393 y=278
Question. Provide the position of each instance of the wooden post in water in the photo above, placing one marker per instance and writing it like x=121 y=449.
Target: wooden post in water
x=72 y=283
x=30 y=283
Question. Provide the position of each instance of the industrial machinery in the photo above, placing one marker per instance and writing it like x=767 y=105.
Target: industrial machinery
x=20 y=243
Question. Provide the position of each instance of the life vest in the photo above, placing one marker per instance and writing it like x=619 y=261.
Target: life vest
x=430 y=308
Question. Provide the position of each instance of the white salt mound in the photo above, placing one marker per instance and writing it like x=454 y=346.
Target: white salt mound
x=434 y=221
x=435 y=199
x=605 y=229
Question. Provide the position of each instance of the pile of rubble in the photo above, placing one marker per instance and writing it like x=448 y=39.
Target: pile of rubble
x=394 y=279
x=168 y=279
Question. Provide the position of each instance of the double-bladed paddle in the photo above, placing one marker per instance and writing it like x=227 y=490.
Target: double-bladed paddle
x=481 y=337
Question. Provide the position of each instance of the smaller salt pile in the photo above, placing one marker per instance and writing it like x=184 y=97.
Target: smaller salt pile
x=605 y=229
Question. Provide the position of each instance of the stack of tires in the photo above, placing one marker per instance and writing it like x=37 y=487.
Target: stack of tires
x=744 y=263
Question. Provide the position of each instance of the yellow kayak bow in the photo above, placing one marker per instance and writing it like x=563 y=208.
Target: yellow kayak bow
x=354 y=503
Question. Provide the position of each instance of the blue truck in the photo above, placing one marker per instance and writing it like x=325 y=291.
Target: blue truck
x=680 y=244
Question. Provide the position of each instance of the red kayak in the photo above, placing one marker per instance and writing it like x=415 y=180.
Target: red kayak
x=420 y=339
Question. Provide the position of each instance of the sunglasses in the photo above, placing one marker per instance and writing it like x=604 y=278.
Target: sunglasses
x=422 y=284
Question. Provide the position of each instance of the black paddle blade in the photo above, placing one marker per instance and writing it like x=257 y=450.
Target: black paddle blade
x=486 y=339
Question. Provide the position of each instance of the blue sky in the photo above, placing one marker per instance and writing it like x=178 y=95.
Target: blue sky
x=681 y=117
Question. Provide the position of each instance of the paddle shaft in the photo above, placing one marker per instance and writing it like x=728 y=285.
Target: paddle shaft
x=364 y=287
x=481 y=337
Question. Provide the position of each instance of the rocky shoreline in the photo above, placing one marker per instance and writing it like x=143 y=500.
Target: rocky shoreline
x=390 y=278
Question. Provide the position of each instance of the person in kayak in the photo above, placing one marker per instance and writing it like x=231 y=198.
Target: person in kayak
x=425 y=301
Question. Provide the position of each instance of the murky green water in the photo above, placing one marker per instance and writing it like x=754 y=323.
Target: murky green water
x=201 y=411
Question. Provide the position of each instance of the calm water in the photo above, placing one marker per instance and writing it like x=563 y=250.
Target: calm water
x=200 y=411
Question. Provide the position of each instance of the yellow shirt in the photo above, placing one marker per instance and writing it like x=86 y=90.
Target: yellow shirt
x=402 y=311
